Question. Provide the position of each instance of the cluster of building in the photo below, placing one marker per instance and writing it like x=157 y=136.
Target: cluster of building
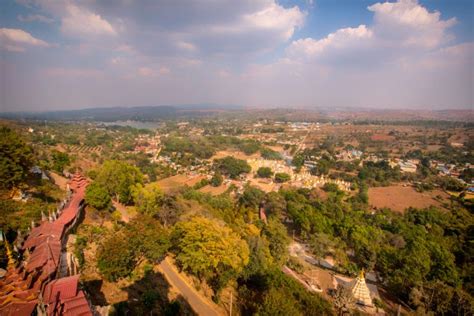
x=46 y=282
x=302 y=179
x=148 y=144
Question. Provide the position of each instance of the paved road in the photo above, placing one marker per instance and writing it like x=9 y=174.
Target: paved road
x=199 y=304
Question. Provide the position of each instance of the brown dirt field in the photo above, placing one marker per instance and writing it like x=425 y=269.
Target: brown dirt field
x=213 y=190
x=234 y=153
x=382 y=137
x=179 y=180
x=263 y=185
x=398 y=198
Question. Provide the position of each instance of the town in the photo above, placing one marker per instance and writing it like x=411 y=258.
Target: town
x=313 y=200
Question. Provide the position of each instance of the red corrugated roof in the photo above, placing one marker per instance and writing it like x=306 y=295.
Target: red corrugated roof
x=63 y=288
x=21 y=286
x=19 y=308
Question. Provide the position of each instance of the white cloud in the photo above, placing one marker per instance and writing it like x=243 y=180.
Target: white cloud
x=341 y=39
x=83 y=23
x=15 y=40
x=277 y=18
x=35 y=18
x=400 y=29
x=410 y=24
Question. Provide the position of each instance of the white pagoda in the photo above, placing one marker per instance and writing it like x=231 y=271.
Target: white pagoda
x=360 y=291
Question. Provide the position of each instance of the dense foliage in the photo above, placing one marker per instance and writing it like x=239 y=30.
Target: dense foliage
x=265 y=172
x=209 y=250
x=16 y=158
x=97 y=196
x=119 y=177
x=123 y=249
x=232 y=167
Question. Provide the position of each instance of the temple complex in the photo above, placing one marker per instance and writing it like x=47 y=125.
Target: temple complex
x=37 y=285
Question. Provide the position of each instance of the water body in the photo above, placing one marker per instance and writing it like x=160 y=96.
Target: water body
x=134 y=124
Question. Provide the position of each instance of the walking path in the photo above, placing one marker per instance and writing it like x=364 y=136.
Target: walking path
x=199 y=304
x=123 y=210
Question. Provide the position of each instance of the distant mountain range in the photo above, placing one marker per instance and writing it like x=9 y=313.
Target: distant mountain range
x=139 y=113
x=167 y=112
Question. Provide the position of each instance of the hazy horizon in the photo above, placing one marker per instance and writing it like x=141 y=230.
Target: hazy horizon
x=72 y=55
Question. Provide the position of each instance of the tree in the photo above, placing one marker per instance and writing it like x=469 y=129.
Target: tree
x=216 y=179
x=260 y=257
x=251 y=197
x=115 y=257
x=119 y=178
x=16 y=158
x=265 y=172
x=148 y=238
x=270 y=154
x=97 y=196
x=148 y=198
x=119 y=254
x=207 y=249
x=60 y=160
x=276 y=303
x=343 y=300
x=277 y=236
x=281 y=177
x=298 y=161
x=232 y=167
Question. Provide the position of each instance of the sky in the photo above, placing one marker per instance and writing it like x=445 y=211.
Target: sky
x=408 y=54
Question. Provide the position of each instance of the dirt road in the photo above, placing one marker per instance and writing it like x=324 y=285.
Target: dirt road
x=199 y=304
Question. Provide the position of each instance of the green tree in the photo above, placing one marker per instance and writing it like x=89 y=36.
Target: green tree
x=265 y=172
x=148 y=238
x=217 y=179
x=119 y=178
x=148 y=199
x=97 y=196
x=16 y=158
x=207 y=249
x=281 y=177
x=115 y=257
x=60 y=160
x=277 y=236
x=232 y=167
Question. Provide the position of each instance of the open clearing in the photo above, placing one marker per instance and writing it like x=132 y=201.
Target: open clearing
x=213 y=190
x=234 y=153
x=179 y=180
x=398 y=198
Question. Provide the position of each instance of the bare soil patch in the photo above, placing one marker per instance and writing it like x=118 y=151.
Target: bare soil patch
x=170 y=183
x=399 y=198
x=213 y=190
x=382 y=137
x=234 y=153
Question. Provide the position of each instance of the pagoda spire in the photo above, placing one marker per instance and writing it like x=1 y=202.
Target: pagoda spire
x=11 y=259
x=360 y=291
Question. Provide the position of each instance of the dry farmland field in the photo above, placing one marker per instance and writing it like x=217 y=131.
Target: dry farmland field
x=399 y=198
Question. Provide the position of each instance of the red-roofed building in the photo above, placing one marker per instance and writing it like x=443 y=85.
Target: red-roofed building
x=20 y=288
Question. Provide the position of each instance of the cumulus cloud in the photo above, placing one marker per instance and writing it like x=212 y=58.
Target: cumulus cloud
x=341 y=39
x=16 y=40
x=410 y=24
x=82 y=23
x=399 y=29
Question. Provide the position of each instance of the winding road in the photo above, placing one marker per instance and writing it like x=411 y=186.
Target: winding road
x=198 y=303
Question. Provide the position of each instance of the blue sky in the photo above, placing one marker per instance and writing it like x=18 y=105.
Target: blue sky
x=322 y=53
